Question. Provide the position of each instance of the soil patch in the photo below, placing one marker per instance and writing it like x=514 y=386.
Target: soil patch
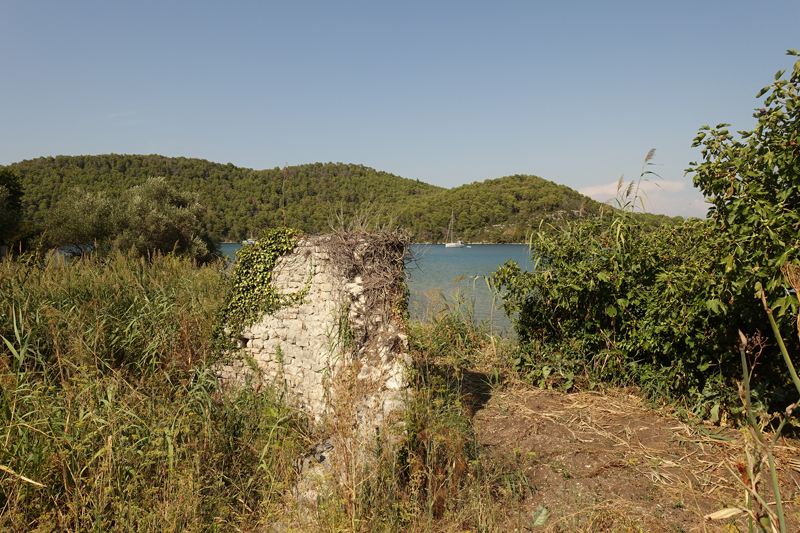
x=606 y=462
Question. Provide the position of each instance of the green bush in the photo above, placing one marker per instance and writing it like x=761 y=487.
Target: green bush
x=10 y=204
x=753 y=185
x=620 y=304
x=149 y=219
x=663 y=307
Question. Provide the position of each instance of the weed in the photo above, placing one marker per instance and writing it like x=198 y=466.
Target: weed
x=111 y=420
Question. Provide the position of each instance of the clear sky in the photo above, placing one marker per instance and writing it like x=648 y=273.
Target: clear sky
x=447 y=92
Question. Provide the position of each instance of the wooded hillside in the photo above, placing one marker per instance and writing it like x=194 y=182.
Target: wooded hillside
x=242 y=200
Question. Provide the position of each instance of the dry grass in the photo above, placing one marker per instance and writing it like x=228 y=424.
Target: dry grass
x=133 y=443
x=608 y=458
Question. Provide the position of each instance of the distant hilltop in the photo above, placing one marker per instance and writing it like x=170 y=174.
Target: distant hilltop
x=242 y=200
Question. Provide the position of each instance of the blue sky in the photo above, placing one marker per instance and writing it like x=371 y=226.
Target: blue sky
x=444 y=92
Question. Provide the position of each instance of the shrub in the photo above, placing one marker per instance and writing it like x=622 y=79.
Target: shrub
x=664 y=307
x=753 y=184
x=10 y=203
x=618 y=304
x=152 y=218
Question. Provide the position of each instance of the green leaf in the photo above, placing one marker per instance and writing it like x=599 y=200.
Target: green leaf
x=715 y=413
x=540 y=516
x=713 y=305
x=728 y=262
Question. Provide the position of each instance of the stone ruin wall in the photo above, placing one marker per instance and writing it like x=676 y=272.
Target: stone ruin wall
x=300 y=348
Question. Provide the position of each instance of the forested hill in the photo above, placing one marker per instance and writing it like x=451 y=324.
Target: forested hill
x=495 y=210
x=242 y=200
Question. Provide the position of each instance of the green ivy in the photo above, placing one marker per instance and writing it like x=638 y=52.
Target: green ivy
x=252 y=293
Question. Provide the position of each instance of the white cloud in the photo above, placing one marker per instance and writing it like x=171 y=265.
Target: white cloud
x=651 y=188
x=671 y=198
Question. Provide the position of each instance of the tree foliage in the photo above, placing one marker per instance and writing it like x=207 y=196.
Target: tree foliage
x=152 y=218
x=614 y=302
x=498 y=210
x=753 y=184
x=81 y=221
x=10 y=202
x=662 y=309
x=240 y=201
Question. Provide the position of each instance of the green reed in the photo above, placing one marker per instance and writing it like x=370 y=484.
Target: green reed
x=111 y=418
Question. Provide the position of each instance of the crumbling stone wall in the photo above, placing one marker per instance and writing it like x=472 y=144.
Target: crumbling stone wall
x=348 y=321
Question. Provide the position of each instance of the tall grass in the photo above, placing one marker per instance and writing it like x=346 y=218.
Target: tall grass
x=110 y=419
x=117 y=312
x=436 y=477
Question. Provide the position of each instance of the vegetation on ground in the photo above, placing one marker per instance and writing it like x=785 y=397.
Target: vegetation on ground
x=661 y=309
x=113 y=419
x=112 y=422
x=110 y=418
x=434 y=475
x=10 y=203
x=704 y=313
x=485 y=450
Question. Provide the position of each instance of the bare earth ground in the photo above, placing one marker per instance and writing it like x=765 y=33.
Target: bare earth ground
x=605 y=462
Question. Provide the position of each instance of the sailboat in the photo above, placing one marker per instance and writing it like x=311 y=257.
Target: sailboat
x=452 y=242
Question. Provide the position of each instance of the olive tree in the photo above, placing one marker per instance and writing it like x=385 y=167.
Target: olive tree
x=147 y=219
x=155 y=217
x=81 y=222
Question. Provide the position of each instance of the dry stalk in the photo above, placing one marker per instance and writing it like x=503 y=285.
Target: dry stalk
x=376 y=262
x=370 y=266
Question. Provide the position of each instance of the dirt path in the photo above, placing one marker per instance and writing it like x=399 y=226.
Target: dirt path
x=605 y=462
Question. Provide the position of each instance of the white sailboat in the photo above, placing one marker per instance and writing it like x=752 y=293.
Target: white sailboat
x=452 y=242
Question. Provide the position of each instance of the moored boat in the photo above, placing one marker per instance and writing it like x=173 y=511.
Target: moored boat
x=452 y=242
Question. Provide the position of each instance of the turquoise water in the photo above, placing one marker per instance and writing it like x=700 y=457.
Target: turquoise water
x=229 y=249
x=457 y=275
x=453 y=275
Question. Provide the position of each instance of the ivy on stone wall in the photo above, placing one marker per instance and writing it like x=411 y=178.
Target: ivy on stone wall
x=252 y=293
